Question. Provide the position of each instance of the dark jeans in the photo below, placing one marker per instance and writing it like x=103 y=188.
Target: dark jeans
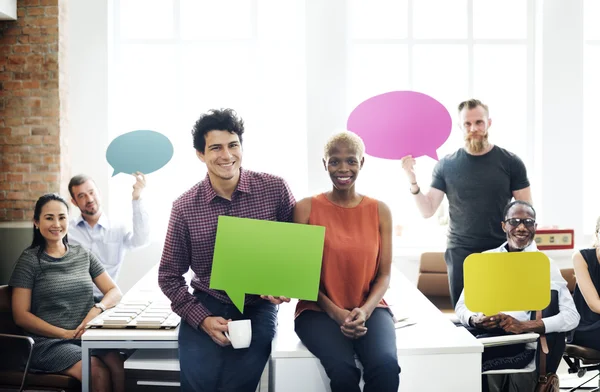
x=206 y=366
x=455 y=258
x=376 y=351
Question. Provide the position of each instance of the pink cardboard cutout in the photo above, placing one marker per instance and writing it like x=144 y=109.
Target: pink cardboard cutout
x=401 y=123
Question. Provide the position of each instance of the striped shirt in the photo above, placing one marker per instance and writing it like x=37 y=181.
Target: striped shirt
x=191 y=235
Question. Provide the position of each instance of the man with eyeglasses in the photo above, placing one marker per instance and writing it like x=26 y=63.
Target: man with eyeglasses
x=479 y=180
x=519 y=225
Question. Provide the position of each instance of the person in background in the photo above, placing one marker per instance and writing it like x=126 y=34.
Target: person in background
x=519 y=226
x=350 y=316
x=479 y=180
x=586 y=263
x=106 y=238
x=53 y=300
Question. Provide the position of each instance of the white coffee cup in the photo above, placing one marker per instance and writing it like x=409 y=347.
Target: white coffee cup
x=240 y=333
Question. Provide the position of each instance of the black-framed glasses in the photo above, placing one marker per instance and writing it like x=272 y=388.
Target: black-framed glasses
x=528 y=222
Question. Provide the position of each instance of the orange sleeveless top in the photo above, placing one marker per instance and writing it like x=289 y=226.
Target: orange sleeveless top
x=351 y=252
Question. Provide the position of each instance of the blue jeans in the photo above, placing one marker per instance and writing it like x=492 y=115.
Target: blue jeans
x=376 y=351
x=206 y=366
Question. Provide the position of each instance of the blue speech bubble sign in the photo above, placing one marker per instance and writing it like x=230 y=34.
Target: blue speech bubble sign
x=143 y=151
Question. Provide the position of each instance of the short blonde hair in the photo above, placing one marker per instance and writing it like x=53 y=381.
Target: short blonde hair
x=352 y=140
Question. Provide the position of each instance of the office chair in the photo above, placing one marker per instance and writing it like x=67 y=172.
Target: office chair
x=16 y=355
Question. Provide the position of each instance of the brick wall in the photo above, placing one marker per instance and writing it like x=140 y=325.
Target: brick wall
x=32 y=134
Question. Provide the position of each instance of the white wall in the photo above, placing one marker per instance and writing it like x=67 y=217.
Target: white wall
x=88 y=61
x=559 y=133
x=88 y=83
x=559 y=130
x=326 y=83
x=562 y=115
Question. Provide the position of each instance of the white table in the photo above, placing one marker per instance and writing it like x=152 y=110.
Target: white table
x=434 y=354
x=123 y=339
x=146 y=288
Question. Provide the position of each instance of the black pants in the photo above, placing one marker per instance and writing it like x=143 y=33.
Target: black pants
x=206 y=366
x=590 y=339
x=455 y=258
x=376 y=351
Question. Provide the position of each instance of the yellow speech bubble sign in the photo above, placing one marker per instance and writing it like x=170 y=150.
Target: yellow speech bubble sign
x=505 y=282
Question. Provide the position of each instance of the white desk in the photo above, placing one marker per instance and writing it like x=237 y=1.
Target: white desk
x=146 y=288
x=434 y=355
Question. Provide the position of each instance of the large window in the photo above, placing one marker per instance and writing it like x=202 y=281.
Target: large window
x=175 y=59
x=451 y=50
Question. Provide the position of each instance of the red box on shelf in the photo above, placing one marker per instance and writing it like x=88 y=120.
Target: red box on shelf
x=551 y=239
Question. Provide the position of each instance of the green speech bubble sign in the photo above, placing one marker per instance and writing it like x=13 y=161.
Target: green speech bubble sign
x=267 y=258
x=504 y=282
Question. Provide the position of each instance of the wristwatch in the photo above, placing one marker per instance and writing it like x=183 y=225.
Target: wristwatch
x=100 y=306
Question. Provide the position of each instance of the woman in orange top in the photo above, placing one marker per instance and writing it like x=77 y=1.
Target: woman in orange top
x=350 y=316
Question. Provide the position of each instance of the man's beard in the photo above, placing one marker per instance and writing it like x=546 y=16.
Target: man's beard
x=90 y=212
x=525 y=244
x=476 y=145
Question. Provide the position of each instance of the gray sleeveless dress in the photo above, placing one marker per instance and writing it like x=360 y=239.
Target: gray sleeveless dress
x=61 y=295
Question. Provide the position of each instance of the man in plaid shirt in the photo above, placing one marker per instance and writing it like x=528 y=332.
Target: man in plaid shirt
x=207 y=360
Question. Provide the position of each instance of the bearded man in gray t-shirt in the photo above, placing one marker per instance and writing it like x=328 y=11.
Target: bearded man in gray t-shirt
x=479 y=180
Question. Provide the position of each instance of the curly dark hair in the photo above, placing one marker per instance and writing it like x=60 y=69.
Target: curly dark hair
x=216 y=119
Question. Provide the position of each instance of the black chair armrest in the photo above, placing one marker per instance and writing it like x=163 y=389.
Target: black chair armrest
x=22 y=346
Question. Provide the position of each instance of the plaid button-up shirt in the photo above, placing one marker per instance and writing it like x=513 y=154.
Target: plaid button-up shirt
x=191 y=235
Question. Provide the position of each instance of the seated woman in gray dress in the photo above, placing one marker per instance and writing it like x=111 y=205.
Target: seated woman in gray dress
x=53 y=298
x=586 y=263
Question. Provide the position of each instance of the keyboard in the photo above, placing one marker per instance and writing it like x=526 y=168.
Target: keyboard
x=150 y=314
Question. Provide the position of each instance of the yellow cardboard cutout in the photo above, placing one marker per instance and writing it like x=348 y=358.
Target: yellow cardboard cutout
x=504 y=282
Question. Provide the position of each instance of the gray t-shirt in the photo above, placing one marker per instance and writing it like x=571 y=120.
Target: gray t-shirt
x=61 y=288
x=478 y=189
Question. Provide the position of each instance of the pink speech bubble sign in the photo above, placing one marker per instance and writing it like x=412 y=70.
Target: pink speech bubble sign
x=401 y=123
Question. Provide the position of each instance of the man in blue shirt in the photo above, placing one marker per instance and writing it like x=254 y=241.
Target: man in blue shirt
x=107 y=239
